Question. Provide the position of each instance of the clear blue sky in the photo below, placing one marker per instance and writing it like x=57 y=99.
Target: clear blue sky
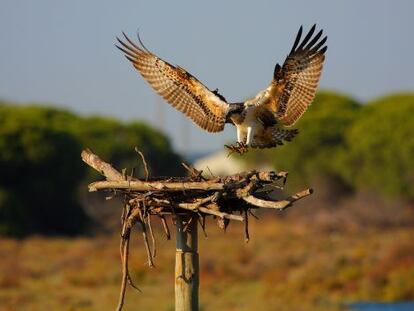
x=62 y=52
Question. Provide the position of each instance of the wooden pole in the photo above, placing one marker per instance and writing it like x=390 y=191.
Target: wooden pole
x=186 y=264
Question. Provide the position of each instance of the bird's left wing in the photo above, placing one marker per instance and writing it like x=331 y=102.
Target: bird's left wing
x=178 y=87
x=294 y=84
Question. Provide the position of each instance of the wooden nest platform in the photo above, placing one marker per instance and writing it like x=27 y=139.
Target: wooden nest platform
x=189 y=200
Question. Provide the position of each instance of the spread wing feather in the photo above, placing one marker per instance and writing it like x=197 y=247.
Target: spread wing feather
x=294 y=85
x=178 y=87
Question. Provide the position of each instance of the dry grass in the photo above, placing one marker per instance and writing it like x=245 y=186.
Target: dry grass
x=285 y=266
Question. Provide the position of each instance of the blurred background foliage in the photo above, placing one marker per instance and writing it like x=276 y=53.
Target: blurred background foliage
x=380 y=147
x=344 y=148
x=41 y=171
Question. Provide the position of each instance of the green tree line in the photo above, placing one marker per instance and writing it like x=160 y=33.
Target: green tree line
x=41 y=171
x=341 y=142
x=358 y=147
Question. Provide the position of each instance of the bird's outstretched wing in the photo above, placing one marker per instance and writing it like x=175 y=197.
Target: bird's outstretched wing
x=178 y=87
x=293 y=87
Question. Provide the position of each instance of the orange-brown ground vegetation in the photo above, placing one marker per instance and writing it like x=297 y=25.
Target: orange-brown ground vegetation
x=287 y=265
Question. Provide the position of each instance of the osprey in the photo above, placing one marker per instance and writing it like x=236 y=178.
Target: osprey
x=259 y=121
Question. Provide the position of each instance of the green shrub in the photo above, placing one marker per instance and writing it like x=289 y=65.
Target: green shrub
x=39 y=174
x=41 y=169
x=380 y=147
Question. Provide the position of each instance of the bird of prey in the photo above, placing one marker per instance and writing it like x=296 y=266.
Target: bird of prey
x=260 y=121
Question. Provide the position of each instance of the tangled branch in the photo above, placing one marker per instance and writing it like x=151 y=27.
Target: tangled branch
x=226 y=198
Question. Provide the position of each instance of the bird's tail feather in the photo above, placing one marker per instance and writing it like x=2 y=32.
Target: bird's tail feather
x=273 y=137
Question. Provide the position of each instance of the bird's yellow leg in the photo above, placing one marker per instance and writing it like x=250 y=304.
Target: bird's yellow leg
x=240 y=147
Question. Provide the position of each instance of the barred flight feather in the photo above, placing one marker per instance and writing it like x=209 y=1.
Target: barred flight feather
x=178 y=87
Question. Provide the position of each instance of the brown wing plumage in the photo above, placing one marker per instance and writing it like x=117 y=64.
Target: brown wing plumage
x=178 y=87
x=294 y=84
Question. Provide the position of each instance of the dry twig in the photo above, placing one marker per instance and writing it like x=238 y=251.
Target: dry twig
x=144 y=162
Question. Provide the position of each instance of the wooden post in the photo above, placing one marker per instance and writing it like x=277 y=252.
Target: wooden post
x=186 y=264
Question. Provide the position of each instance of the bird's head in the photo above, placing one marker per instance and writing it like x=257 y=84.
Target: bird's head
x=235 y=109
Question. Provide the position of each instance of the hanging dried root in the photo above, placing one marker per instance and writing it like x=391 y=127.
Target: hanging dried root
x=154 y=249
x=124 y=260
x=202 y=221
x=143 y=223
x=246 y=227
x=165 y=226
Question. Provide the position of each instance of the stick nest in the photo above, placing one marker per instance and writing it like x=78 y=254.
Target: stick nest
x=225 y=198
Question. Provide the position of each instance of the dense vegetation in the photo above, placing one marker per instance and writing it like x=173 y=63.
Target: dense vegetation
x=380 y=147
x=41 y=170
x=351 y=146
x=343 y=146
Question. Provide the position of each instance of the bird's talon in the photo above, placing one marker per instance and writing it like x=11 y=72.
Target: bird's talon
x=239 y=148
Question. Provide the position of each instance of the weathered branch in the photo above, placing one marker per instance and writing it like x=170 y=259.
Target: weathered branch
x=220 y=214
x=137 y=185
x=101 y=166
x=277 y=204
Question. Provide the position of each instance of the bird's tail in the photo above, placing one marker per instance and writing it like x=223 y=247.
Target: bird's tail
x=279 y=135
x=273 y=137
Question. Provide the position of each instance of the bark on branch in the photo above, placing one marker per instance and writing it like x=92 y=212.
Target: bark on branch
x=281 y=205
x=138 y=185
x=101 y=166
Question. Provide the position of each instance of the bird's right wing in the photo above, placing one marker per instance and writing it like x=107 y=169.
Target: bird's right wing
x=178 y=87
x=294 y=84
